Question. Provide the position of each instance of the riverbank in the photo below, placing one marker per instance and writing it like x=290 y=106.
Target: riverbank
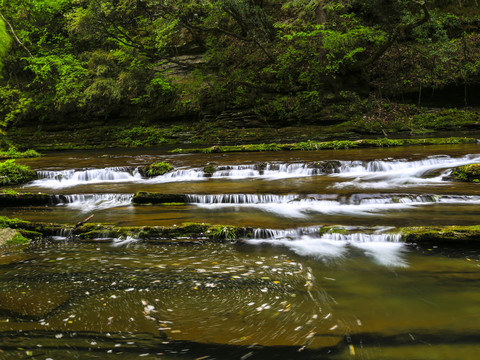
x=236 y=128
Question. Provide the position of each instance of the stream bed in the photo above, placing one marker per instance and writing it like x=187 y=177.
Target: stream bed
x=287 y=292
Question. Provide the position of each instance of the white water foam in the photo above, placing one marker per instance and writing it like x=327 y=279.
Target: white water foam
x=239 y=172
x=72 y=177
x=90 y=202
x=399 y=173
x=302 y=205
x=384 y=249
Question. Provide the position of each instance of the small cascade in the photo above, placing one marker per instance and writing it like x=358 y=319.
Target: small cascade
x=312 y=231
x=72 y=177
x=329 y=204
x=389 y=173
x=89 y=202
x=240 y=199
x=270 y=171
x=62 y=234
x=384 y=248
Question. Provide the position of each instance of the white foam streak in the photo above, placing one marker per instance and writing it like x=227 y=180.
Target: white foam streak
x=301 y=206
x=399 y=173
x=384 y=249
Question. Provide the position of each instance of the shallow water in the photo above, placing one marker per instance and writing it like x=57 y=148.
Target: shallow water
x=288 y=293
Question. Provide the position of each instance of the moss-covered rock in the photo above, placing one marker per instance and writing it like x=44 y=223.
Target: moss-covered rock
x=12 y=173
x=209 y=170
x=470 y=173
x=24 y=199
x=155 y=169
x=456 y=235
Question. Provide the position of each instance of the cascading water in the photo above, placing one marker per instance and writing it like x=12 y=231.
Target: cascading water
x=400 y=173
x=375 y=174
x=70 y=178
x=304 y=205
x=89 y=202
x=294 y=289
x=385 y=248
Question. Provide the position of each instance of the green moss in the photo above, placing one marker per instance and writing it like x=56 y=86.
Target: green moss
x=13 y=153
x=209 y=170
x=30 y=234
x=18 y=239
x=333 y=230
x=13 y=223
x=470 y=173
x=329 y=145
x=139 y=136
x=12 y=173
x=156 y=169
x=442 y=234
x=14 y=198
x=143 y=197
x=9 y=191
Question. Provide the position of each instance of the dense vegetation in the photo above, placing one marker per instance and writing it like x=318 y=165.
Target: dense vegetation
x=144 y=62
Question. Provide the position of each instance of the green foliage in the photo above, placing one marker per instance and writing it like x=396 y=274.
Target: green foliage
x=4 y=43
x=297 y=61
x=14 y=105
x=146 y=135
x=12 y=173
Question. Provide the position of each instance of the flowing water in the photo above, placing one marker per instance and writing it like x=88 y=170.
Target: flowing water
x=289 y=291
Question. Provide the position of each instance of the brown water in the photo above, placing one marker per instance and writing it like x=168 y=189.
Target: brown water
x=296 y=296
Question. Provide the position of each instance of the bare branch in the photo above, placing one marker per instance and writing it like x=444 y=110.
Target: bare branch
x=15 y=35
x=399 y=30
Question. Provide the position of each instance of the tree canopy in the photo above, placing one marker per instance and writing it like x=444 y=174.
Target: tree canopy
x=159 y=59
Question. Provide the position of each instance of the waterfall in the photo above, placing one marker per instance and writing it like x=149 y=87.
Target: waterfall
x=89 y=202
x=300 y=206
x=399 y=173
x=73 y=177
x=384 y=248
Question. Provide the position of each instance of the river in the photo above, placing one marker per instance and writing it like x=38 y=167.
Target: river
x=289 y=291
